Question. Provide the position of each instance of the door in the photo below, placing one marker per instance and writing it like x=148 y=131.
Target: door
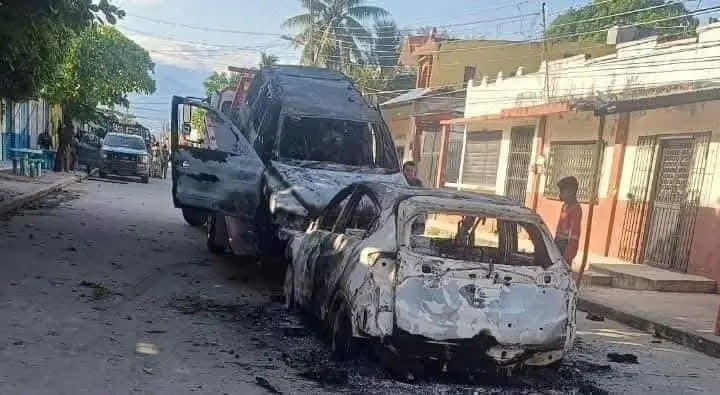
x=671 y=206
x=430 y=153
x=214 y=168
x=521 y=144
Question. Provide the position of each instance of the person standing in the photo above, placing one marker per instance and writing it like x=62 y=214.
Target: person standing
x=567 y=234
x=410 y=173
x=164 y=159
x=44 y=140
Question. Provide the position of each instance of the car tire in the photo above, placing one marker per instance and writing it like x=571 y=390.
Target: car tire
x=194 y=218
x=145 y=180
x=289 y=288
x=341 y=339
x=212 y=246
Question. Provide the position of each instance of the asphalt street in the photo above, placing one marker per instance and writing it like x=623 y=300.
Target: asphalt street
x=105 y=290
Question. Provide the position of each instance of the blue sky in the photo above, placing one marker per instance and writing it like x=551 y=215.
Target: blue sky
x=185 y=56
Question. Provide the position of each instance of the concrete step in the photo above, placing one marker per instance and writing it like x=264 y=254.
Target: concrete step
x=648 y=278
x=592 y=278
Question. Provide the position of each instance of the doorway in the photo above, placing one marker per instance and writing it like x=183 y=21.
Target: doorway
x=518 y=169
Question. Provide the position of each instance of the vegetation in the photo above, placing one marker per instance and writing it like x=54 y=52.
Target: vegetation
x=590 y=22
x=267 y=60
x=219 y=81
x=34 y=35
x=333 y=32
x=101 y=67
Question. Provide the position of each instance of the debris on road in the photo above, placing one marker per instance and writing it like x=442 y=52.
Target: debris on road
x=262 y=382
x=595 y=317
x=622 y=358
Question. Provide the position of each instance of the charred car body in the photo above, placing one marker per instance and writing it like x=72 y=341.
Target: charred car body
x=472 y=300
x=302 y=134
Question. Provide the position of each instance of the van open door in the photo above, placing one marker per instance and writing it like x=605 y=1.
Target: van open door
x=214 y=168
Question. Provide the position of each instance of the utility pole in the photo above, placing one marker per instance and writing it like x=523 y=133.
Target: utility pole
x=545 y=53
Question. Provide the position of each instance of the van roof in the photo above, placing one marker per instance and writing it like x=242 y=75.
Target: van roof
x=306 y=91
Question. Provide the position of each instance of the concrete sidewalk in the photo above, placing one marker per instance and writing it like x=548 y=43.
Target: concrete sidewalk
x=17 y=191
x=684 y=318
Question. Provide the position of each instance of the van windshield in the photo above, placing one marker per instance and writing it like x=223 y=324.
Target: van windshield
x=350 y=143
x=132 y=142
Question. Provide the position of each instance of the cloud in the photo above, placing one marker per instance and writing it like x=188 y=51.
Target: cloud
x=195 y=56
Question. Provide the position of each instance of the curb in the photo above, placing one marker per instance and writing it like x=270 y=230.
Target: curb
x=705 y=344
x=22 y=200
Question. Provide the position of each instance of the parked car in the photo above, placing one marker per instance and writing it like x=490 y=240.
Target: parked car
x=501 y=298
x=125 y=155
x=303 y=134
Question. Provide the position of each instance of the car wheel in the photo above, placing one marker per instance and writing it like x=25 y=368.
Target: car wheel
x=341 y=335
x=193 y=217
x=145 y=180
x=289 y=288
x=212 y=246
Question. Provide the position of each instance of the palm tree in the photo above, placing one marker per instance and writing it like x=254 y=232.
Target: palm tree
x=267 y=60
x=332 y=31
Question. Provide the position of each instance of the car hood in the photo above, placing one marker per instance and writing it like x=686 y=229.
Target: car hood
x=314 y=185
x=123 y=150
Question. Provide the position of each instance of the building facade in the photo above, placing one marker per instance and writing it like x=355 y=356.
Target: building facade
x=638 y=129
x=21 y=124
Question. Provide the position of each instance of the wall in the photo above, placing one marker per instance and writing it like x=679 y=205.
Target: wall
x=492 y=56
x=636 y=65
x=22 y=124
x=399 y=121
x=694 y=118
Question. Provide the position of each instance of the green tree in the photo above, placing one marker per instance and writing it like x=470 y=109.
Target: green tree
x=588 y=23
x=332 y=32
x=267 y=60
x=34 y=35
x=102 y=66
x=219 y=81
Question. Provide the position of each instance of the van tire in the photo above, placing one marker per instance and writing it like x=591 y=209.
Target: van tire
x=193 y=217
x=211 y=244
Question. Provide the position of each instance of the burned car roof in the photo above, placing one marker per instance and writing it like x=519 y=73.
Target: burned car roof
x=314 y=92
x=391 y=194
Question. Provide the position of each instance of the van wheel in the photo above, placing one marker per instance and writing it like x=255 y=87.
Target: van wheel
x=211 y=244
x=342 y=342
x=193 y=217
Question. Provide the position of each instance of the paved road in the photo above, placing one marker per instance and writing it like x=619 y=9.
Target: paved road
x=105 y=290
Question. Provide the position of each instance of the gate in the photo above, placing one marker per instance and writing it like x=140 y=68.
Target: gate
x=666 y=185
x=636 y=211
x=674 y=201
x=521 y=144
x=429 y=154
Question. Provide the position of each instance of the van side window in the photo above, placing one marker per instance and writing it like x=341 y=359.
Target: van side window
x=252 y=92
x=266 y=128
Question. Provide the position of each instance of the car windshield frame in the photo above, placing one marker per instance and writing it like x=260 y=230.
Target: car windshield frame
x=381 y=155
x=115 y=140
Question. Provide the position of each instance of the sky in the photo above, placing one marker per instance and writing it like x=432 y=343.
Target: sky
x=180 y=38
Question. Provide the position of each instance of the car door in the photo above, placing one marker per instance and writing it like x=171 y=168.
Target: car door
x=341 y=248
x=315 y=241
x=214 y=168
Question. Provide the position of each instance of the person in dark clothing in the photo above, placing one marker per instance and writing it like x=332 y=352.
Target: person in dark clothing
x=410 y=173
x=44 y=140
x=164 y=159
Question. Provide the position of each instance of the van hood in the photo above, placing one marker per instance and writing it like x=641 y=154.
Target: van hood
x=314 y=184
x=123 y=150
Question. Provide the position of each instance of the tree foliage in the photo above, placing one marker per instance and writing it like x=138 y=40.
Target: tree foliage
x=590 y=22
x=34 y=35
x=102 y=66
x=267 y=60
x=333 y=32
x=219 y=81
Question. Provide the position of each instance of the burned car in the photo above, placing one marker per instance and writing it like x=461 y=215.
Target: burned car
x=478 y=284
x=302 y=134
